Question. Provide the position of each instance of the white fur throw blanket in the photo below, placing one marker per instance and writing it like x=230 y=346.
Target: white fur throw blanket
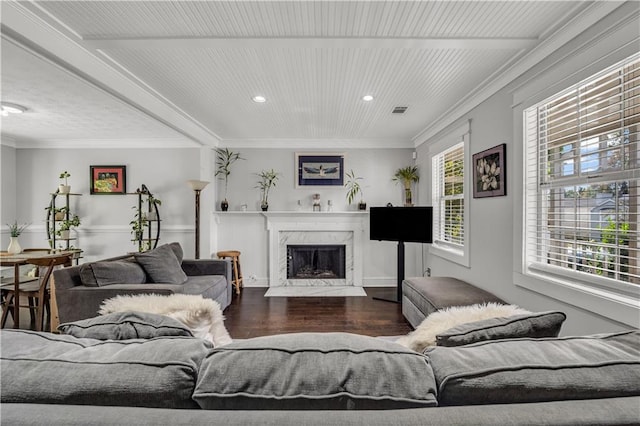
x=425 y=334
x=203 y=316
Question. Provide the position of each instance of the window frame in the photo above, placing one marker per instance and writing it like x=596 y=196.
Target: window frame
x=615 y=299
x=457 y=253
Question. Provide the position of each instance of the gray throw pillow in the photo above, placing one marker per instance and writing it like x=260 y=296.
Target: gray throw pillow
x=126 y=325
x=314 y=371
x=537 y=325
x=536 y=370
x=46 y=368
x=177 y=250
x=98 y=274
x=162 y=266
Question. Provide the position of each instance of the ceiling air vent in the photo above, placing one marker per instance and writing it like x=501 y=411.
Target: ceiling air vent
x=399 y=110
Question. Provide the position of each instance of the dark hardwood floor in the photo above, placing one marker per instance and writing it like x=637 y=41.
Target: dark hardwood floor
x=251 y=314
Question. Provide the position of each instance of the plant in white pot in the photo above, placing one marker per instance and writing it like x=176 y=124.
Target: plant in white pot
x=64 y=188
x=353 y=189
x=15 y=230
x=268 y=179
x=224 y=159
x=66 y=225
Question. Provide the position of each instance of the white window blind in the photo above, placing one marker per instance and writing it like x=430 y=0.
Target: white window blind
x=582 y=179
x=448 y=195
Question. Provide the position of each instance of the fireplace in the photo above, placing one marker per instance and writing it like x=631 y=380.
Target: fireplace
x=316 y=261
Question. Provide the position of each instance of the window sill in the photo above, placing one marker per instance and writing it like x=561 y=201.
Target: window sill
x=450 y=253
x=617 y=307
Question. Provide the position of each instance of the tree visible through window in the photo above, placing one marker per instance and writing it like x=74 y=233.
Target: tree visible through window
x=448 y=195
x=582 y=176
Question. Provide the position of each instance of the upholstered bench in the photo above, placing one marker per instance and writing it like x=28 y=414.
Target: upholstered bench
x=423 y=295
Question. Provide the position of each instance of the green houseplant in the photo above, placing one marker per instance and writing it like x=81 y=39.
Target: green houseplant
x=407 y=175
x=66 y=225
x=268 y=179
x=353 y=189
x=224 y=159
x=64 y=188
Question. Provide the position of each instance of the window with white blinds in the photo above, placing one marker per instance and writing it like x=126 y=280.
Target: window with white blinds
x=448 y=196
x=582 y=179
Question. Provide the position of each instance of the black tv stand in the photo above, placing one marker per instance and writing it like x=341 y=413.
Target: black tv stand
x=400 y=276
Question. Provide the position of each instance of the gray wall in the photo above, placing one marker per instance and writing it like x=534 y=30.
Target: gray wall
x=495 y=223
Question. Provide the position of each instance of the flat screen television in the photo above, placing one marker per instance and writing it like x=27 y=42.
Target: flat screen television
x=406 y=224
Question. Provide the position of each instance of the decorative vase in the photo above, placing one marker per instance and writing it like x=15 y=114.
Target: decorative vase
x=14 y=246
x=362 y=205
x=64 y=189
x=264 y=206
x=408 y=202
x=65 y=235
x=224 y=205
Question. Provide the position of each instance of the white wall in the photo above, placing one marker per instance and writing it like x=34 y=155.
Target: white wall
x=105 y=229
x=30 y=175
x=375 y=166
x=247 y=232
x=496 y=222
x=8 y=192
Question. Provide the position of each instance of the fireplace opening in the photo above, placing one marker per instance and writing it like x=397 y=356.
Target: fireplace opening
x=324 y=261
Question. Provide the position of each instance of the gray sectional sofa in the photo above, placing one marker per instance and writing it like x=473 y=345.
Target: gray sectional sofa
x=80 y=290
x=171 y=378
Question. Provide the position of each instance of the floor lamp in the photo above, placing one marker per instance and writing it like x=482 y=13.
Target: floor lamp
x=197 y=186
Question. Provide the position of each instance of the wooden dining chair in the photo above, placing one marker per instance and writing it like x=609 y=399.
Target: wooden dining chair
x=36 y=292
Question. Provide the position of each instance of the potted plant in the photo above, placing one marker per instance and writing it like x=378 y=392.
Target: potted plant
x=267 y=180
x=66 y=225
x=407 y=175
x=64 y=188
x=138 y=226
x=353 y=189
x=15 y=230
x=153 y=207
x=224 y=159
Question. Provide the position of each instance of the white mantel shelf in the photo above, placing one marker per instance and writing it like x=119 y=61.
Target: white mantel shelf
x=294 y=213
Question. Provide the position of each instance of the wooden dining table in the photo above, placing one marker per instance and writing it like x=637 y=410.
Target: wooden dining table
x=21 y=259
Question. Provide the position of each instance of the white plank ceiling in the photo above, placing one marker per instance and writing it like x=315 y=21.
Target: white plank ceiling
x=192 y=67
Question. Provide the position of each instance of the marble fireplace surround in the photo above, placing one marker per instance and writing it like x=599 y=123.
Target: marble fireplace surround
x=315 y=228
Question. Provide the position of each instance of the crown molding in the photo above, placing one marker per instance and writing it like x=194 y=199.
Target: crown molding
x=585 y=19
x=286 y=143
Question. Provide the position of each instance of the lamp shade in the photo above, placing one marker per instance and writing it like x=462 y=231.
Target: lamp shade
x=197 y=185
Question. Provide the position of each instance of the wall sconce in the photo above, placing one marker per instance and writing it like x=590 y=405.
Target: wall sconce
x=197 y=186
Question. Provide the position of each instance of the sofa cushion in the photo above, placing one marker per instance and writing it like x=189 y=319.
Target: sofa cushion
x=162 y=266
x=536 y=370
x=177 y=250
x=537 y=325
x=47 y=368
x=314 y=371
x=126 y=325
x=98 y=274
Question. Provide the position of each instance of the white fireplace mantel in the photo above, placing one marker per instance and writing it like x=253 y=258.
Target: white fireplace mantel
x=349 y=226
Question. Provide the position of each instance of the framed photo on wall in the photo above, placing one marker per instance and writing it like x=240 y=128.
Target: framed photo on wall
x=319 y=169
x=490 y=172
x=108 y=179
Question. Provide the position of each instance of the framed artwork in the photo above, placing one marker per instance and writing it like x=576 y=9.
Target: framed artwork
x=108 y=179
x=319 y=170
x=490 y=172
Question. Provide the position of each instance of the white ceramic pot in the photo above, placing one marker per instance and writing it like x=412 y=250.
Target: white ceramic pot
x=14 y=246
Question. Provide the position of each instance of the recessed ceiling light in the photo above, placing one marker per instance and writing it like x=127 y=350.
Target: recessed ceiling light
x=9 y=108
x=259 y=99
x=367 y=98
